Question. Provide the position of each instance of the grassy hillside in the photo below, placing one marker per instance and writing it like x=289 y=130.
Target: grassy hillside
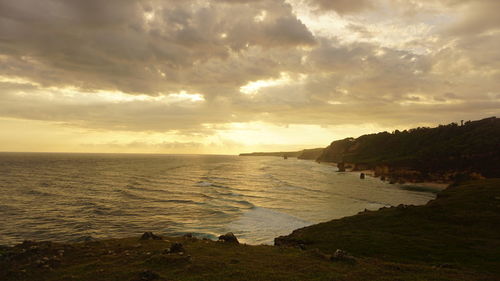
x=133 y=260
x=460 y=229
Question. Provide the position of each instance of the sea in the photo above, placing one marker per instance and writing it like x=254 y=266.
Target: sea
x=79 y=197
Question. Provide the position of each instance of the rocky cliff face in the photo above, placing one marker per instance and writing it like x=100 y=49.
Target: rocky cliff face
x=336 y=150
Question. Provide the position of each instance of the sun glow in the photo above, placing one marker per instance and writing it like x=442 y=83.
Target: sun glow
x=77 y=95
x=185 y=96
x=255 y=86
x=72 y=94
x=16 y=80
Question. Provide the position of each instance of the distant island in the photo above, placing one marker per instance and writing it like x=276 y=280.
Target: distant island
x=442 y=154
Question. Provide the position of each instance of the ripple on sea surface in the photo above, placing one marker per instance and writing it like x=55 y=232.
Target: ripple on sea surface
x=65 y=197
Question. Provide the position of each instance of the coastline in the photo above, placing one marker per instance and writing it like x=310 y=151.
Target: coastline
x=436 y=185
x=338 y=249
x=236 y=208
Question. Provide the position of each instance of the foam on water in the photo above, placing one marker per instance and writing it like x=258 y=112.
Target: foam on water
x=262 y=225
x=204 y=183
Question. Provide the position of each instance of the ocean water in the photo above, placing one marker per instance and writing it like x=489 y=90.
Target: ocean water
x=67 y=197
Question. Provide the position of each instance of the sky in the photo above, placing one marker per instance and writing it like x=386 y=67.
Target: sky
x=231 y=76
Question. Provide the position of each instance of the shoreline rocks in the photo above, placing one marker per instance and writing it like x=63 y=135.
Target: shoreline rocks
x=150 y=236
x=341 y=167
x=229 y=238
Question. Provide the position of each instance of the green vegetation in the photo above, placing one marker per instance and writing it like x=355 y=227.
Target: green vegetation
x=471 y=148
x=454 y=237
x=460 y=229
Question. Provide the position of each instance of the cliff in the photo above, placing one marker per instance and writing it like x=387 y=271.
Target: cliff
x=445 y=152
x=311 y=154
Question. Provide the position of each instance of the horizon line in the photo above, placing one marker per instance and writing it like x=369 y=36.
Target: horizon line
x=110 y=153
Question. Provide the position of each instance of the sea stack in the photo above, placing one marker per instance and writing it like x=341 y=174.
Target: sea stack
x=341 y=166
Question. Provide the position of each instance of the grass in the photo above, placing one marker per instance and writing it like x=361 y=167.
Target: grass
x=452 y=238
x=460 y=229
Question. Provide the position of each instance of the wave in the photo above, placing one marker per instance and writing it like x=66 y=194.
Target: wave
x=131 y=195
x=180 y=201
x=149 y=189
x=231 y=203
x=211 y=184
x=262 y=225
x=40 y=193
x=214 y=178
x=135 y=196
x=204 y=183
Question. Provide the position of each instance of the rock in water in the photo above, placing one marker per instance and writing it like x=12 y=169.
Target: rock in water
x=229 y=238
x=341 y=167
x=150 y=236
x=362 y=176
x=176 y=248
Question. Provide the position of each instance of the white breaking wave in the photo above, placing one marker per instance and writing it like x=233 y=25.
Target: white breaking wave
x=262 y=225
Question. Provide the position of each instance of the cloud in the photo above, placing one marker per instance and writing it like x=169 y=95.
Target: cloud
x=473 y=16
x=182 y=67
x=342 y=6
x=140 y=46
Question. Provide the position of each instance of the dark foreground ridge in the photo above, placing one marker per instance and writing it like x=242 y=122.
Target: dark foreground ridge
x=460 y=229
x=455 y=237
